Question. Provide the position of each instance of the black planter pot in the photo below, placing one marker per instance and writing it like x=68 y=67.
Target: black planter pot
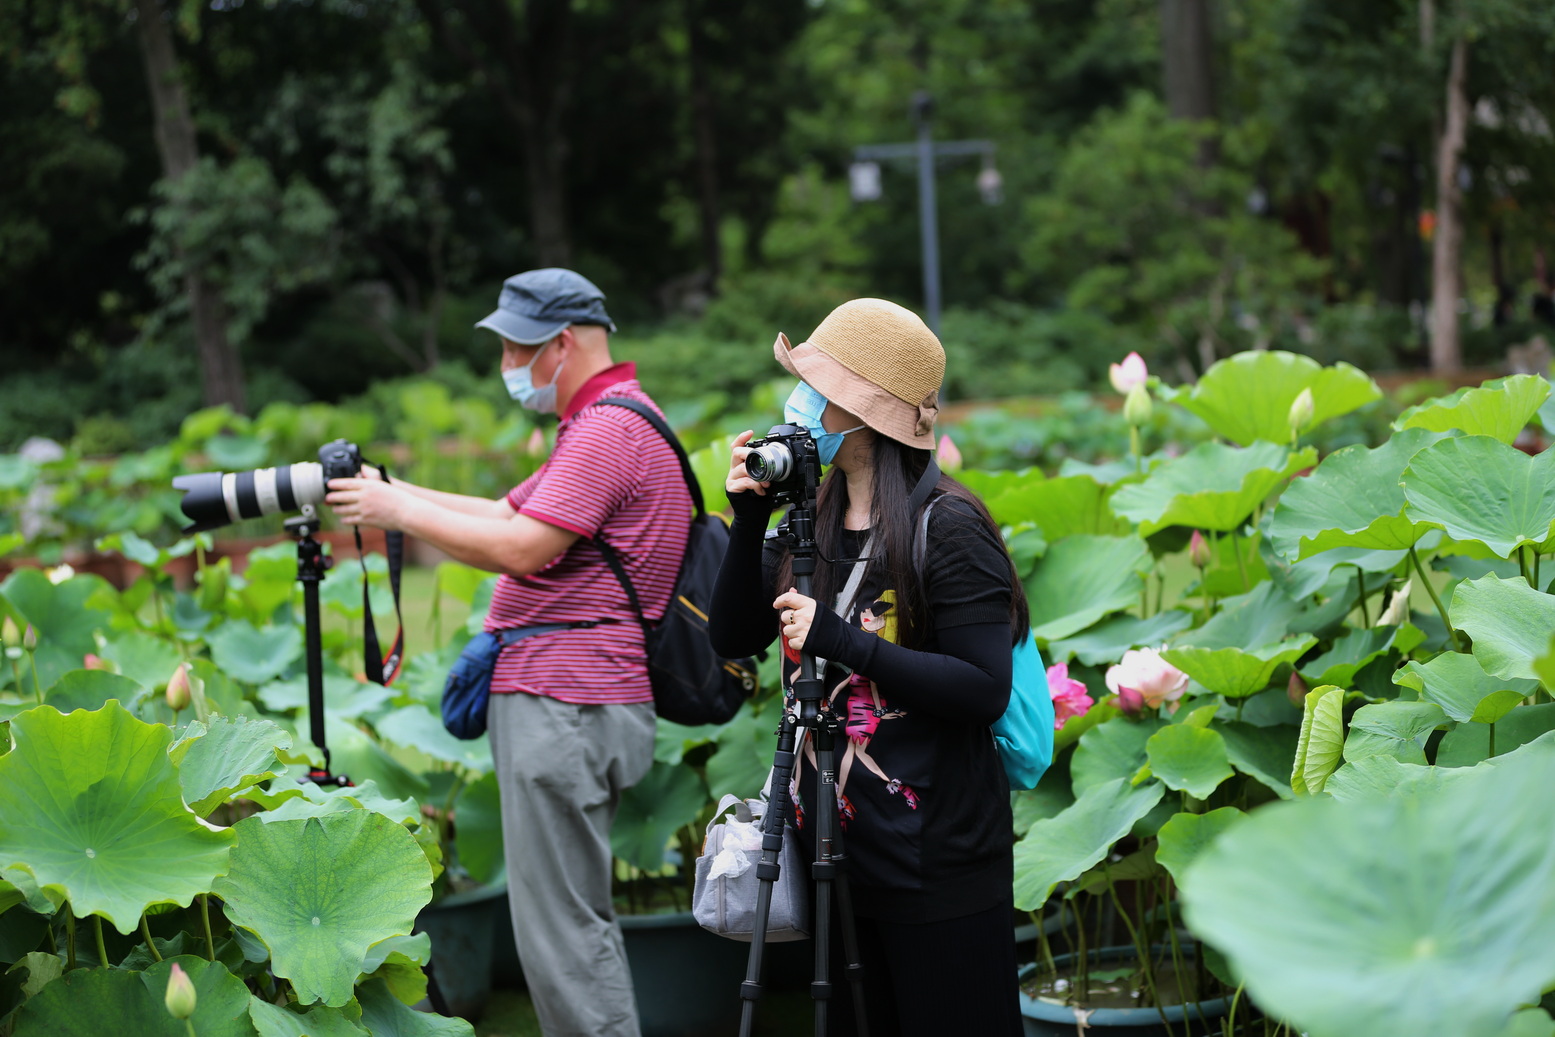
x=1042 y=1019
x=462 y=927
x=687 y=980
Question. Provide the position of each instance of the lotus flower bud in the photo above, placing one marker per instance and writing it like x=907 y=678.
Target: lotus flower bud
x=1296 y=690
x=8 y=632
x=91 y=661
x=1130 y=373
x=178 y=688
x=1397 y=611
x=1198 y=551
x=180 y=997
x=949 y=456
x=1137 y=407
x=1301 y=411
x=30 y=638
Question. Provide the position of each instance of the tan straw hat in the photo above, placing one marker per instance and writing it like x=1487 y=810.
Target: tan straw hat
x=877 y=360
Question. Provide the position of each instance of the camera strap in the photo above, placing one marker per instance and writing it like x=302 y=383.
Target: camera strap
x=382 y=669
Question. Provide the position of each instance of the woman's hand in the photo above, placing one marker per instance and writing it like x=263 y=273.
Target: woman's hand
x=795 y=612
x=368 y=502
x=739 y=480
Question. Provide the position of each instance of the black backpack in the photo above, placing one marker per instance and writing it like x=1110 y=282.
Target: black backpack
x=692 y=684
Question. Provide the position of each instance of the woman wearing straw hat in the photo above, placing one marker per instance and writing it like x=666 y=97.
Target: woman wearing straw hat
x=918 y=666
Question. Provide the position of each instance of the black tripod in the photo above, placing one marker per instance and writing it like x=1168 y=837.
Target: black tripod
x=813 y=712
x=312 y=564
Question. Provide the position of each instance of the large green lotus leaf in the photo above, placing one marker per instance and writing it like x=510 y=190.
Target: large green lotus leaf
x=1544 y=666
x=1321 y=744
x=1247 y=397
x=1212 y=487
x=320 y=891
x=89 y=689
x=1478 y=488
x=1499 y=408
x=1234 y=672
x=288 y=801
x=1188 y=759
x=1448 y=934
x=1530 y=1022
x=1398 y=719
x=417 y=727
x=745 y=747
x=1509 y=621
x=1028 y=806
x=1111 y=750
x=345 y=697
x=1186 y=836
x=319 y=1021
x=478 y=828
x=224 y=756
x=1107 y=641
x=652 y=810
x=1352 y=499
x=1262 y=616
x=253 y=654
x=93 y=814
x=1062 y=848
x=1263 y=753
x=1060 y=507
x=97 y=1002
x=1350 y=652
x=142 y=657
x=1456 y=682
x=1470 y=744
x=10 y=896
x=1384 y=777
x=62 y=614
x=387 y=1016
x=1083 y=578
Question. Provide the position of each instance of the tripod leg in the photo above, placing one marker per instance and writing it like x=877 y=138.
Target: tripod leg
x=854 y=969
x=767 y=871
x=829 y=870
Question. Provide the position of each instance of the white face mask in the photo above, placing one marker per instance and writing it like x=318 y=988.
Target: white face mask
x=520 y=385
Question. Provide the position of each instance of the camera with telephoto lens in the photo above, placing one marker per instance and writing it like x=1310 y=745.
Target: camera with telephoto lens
x=213 y=499
x=786 y=459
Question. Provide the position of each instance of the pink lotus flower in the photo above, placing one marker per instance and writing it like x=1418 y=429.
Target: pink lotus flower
x=1198 y=550
x=1144 y=676
x=91 y=661
x=1131 y=372
x=1069 y=695
x=949 y=456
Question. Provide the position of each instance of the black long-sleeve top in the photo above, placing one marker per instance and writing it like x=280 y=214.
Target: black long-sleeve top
x=924 y=801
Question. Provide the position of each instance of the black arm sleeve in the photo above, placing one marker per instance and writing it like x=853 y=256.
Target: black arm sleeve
x=742 y=621
x=967 y=681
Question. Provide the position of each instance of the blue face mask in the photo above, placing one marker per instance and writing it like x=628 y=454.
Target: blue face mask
x=804 y=407
x=520 y=385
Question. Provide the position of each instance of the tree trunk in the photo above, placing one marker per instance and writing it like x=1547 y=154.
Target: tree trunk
x=221 y=370
x=1447 y=243
x=1188 y=65
x=705 y=138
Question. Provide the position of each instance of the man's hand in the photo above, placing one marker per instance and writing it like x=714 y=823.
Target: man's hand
x=369 y=502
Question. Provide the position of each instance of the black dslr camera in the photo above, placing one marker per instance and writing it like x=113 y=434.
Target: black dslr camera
x=213 y=499
x=786 y=459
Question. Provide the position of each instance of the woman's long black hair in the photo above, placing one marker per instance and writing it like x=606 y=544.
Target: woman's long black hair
x=896 y=471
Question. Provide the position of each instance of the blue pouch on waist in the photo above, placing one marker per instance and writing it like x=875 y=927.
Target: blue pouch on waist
x=467 y=692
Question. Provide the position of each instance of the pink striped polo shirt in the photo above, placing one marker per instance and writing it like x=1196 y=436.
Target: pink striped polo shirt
x=609 y=473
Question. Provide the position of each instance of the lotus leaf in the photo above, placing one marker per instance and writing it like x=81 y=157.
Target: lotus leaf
x=1212 y=487
x=253 y=654
x=387 y=1016
x=1188 y=759
x=1499 y=408
x=417 y=727
x=1469 y=744
x=1107 y=641
x=319 y=1021
x=142 y=657
x=1234 y=672
x=1260 y=617
x=1478 y=488
x=1352 y=499
x=1446 y=935
x=305 y=799
x=321 y=891
x=94 y=815
x=1059 y=507
x=1109 y=751
x=1458 y=684
x=225 y=756
x=1321 y=744
x=1247 y=397
x=745 y=747
x=1062 y=848
x=1350 y=652
x=62 y=615
x=92 y=1002
x=344 y=697
x=651 y=811
x=478 y=832
x=1263 y=753
x=89 y=689
x=1509 y=621
x=1544 y=666
x=1186 y=836
x=1083 y=578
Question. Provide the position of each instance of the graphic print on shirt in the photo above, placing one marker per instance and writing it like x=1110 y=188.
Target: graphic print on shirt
x=862 y=707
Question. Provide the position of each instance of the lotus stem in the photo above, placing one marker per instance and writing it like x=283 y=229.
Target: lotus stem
x=70 y=939
x=1436 y=599
x=1043 y=947
x=1530 y=571
x=205 y=923
x=1492 y=727
x=151 y=945
x=1231 y=1016
x=189 y=1027
x=102 y=949
x=37 y=688
x=1082 y=986
x=1241 y=565
x=1147 y=968
x=1360 y=582
x=16 y=675
x=1133 y=443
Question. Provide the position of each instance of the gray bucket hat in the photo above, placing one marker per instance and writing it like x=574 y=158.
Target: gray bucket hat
x=536 y=305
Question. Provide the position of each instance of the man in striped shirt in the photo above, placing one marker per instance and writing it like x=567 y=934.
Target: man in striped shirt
x=571 y=716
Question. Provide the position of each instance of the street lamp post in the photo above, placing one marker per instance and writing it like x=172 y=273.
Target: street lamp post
x=926 y=152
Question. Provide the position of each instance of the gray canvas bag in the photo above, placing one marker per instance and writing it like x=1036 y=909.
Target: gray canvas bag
x=726 y=903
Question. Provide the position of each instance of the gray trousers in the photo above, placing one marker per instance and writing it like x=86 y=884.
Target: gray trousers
x=561 y=769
